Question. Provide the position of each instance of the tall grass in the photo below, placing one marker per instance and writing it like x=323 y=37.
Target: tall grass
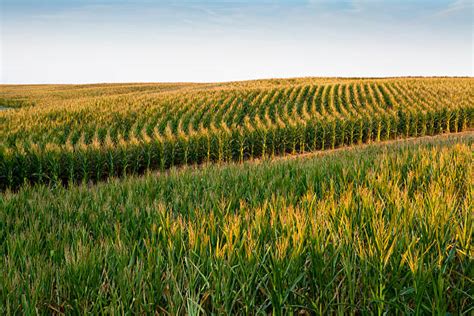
x=379 y=230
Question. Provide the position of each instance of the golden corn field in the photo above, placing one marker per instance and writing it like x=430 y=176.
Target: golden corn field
x=88 y=227
x=88 y=133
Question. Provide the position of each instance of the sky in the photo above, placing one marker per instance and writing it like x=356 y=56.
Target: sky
x=87 y=41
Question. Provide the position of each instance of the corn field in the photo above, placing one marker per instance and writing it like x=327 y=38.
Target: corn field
x=72 y=134
x=384 y=229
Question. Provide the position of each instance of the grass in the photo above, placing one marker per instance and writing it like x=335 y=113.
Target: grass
x=384 y=229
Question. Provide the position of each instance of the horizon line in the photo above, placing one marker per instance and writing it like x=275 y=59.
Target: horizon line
x=234 y=81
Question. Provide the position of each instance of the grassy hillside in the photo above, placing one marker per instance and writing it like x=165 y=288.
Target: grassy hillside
x=73 y=133
x=383 y=229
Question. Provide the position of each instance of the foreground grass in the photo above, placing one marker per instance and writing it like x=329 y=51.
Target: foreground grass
x=373 y=230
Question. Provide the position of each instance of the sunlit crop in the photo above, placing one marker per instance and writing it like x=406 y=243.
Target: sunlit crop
x=104 y=209
x=89 y=133
x=382 y=230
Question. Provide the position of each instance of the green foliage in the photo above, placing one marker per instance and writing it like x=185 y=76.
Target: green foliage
x=382 y=230
x=85 y=138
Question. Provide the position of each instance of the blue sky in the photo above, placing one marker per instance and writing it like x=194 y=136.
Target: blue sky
x=81 y=41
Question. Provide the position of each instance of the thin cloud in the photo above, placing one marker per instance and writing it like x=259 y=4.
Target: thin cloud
x=455 y=7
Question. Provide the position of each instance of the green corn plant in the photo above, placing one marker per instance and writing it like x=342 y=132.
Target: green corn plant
x=199 y=124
